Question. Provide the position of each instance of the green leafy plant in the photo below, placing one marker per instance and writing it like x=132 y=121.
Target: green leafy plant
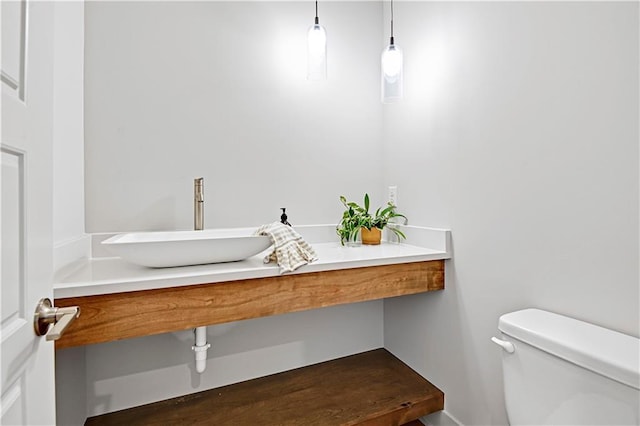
x=356 y=216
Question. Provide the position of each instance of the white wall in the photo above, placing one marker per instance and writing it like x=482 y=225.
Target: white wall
x=70 y=242
x=219 y=90
x=175 y=91
x=519 y=131
x=71 y=386
x=68 y=132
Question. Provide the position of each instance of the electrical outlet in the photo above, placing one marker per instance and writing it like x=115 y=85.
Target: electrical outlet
x=393 y=195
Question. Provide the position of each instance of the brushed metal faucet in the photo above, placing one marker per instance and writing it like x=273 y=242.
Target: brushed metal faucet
x=198 y=204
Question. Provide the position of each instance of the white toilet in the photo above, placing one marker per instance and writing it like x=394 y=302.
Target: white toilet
x=561 y=371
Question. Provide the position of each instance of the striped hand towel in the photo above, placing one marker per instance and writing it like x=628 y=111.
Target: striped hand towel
x=290 y=250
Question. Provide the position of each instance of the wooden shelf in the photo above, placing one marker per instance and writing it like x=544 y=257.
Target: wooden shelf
x=119 y=316
x=371 y=388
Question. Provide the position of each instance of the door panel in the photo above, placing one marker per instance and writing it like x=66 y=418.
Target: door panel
x=12 y=301
x=27 y=371
x=14 y=25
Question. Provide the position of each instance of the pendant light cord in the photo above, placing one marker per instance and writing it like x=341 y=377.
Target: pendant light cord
x=391 y=22
x=317 y=20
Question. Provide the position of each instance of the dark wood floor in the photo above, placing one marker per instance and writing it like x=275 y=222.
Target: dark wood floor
x=371 y=388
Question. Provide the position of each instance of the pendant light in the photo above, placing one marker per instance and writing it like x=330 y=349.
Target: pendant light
x=316 y=51
x=391 y=64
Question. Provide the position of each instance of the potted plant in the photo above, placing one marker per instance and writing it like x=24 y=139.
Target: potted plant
x=357 y=218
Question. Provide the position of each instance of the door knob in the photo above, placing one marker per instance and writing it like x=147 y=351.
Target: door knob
x=61 y=318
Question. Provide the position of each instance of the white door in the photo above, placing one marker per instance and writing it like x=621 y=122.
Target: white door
x=27 y=375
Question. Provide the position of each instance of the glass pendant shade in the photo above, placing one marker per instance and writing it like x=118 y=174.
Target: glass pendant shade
x=391 y=77
x=316 y=53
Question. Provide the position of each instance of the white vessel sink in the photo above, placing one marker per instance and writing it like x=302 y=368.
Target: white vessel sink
x=182 y=248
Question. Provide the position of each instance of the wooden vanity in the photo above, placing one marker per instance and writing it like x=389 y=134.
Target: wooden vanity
x=370 y=388
x=108 y=317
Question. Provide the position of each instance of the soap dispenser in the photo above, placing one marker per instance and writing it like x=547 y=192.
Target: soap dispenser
x=283 y=217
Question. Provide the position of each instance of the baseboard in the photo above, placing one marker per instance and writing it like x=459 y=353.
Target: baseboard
x=441 y=418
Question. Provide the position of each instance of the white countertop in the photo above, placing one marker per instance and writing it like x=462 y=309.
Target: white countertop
x=113 y=275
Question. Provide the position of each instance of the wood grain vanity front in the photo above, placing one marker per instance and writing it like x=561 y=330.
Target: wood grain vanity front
x=119 y=316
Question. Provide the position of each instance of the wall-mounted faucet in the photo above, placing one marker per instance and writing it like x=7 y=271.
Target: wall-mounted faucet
x=198 y=204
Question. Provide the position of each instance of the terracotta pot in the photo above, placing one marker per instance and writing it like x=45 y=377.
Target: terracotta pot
x=371 y=237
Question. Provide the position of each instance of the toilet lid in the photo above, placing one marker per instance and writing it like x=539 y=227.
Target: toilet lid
x=607 y=352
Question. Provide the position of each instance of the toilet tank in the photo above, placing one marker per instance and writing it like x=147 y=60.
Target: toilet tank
x=563 y=371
